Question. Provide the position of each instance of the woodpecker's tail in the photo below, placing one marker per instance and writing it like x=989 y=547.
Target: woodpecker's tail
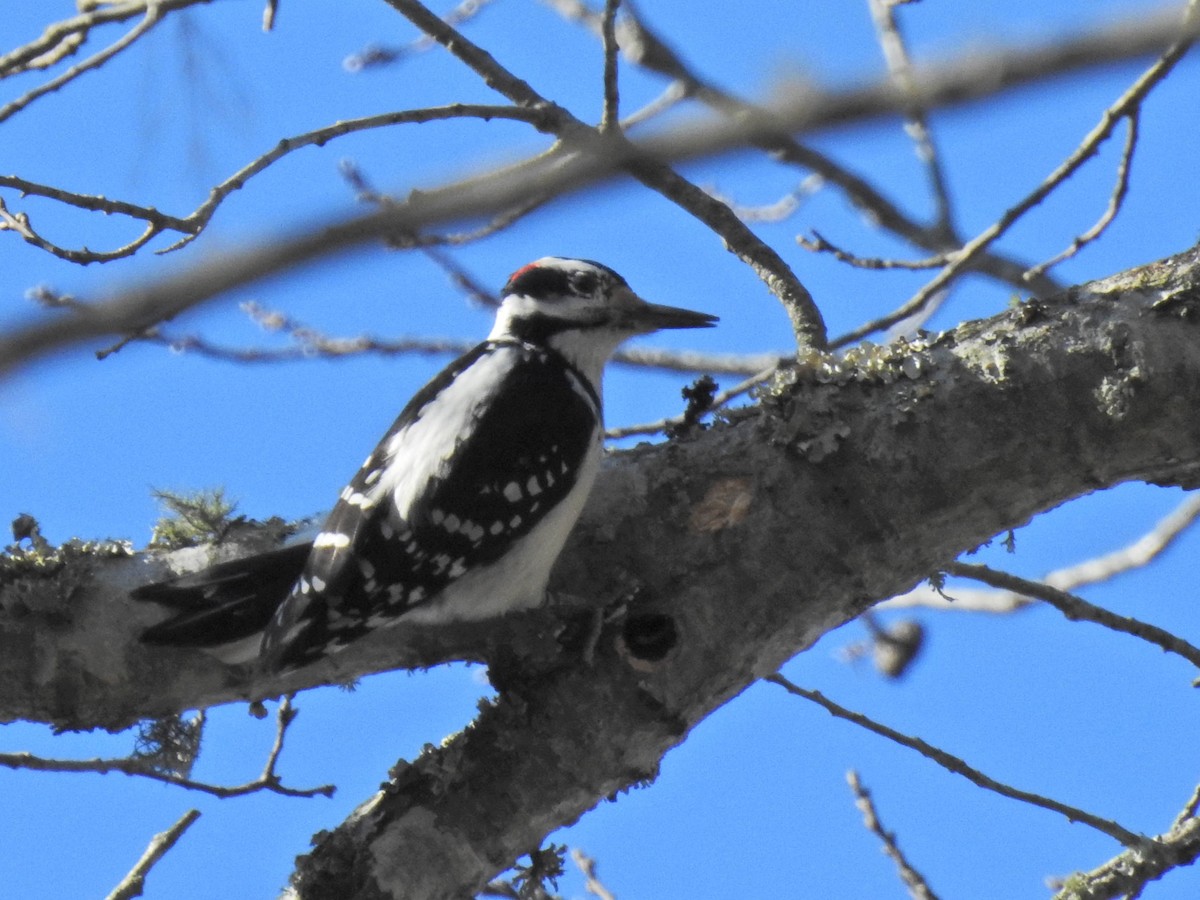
x=227 y=604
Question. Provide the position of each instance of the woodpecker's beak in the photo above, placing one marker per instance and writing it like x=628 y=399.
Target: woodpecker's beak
x=652 y=317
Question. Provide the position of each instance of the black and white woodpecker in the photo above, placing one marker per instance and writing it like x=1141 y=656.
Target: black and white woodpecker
x=462 y=509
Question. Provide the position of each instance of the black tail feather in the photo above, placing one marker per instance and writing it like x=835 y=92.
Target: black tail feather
x=228 y=602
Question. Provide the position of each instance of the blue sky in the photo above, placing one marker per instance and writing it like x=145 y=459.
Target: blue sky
x=755 y=802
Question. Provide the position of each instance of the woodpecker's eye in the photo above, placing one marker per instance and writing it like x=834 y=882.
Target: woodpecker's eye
x=584 y=283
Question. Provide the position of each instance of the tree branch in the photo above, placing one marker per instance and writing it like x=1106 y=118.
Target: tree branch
x=954 y=764
x=918 y=887
x=133 y=884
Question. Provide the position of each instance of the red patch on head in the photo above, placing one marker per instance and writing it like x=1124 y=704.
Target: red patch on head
x=521 y=271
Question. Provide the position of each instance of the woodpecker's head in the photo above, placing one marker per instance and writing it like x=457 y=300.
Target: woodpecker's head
x=581 y=309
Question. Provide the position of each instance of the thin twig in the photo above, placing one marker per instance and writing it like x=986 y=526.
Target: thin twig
x=818 y=244
x=674 y=94
x=461 y=278
x=72 y=32
x=192 y=225
x=312 y=344
x=1115 y=201
x=720 y=400
x=1189 y=810
x=592 y=883
x=895 y=53
x=375 y=56
x=132 y=766
x=953 y=764
x=321 y=136
x=776 y=211
x=20 y=224
x=1134 y=555
x=918 y=887
x=152 y=17
x=1076 y=608
x=133 y=884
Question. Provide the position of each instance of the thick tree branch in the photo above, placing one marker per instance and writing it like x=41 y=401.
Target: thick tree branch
x=865 y=478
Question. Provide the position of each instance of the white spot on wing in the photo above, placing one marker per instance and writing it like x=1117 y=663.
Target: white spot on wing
x=334 y=539
x=512 y=492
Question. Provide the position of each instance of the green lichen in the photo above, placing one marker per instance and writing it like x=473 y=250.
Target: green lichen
x=201 y=517
x=32 y=556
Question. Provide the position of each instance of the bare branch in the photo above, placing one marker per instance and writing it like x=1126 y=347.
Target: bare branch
x=1125 y=105
x=375 y=56
x=65 y=37
x=918 y=888
x=137 y=767
x=94 y=203
x=191 y=226
x=20 y=224
x=1076 y=608
x=674 y=94
x=818 y=244
x=779 y=210
x=152 y=17
x=612 y=97
x=1127 y=874
x=313 y=344
x=196 y=222
x=1115 y=200
x=895 y=53
x=134 y=883
x=959 y=767
x=722 y=399
x=592 y=883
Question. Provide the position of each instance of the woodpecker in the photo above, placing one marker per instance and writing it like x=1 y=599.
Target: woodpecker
x=462 y=509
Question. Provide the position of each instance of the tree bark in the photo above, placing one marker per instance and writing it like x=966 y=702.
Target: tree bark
x=716 y=557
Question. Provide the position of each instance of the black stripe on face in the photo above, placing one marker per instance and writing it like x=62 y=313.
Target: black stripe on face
x=544 y=282
x=537 y=329
x=538 y=281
